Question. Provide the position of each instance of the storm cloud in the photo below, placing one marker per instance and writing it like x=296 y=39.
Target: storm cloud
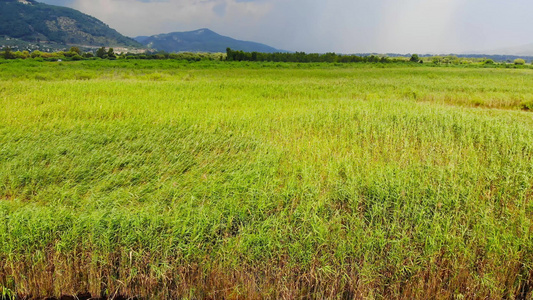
x=344 y=26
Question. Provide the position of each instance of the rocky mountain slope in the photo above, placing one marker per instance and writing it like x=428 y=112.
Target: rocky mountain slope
x=35 y=22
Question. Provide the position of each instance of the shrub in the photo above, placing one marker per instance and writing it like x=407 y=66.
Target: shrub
x=519 y=61
x=527 y=105
x=77 y=57
x=36 y=54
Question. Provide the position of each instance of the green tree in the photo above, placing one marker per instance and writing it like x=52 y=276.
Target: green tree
x=77 y=57
x=76 y=50
x=8 y=54
x=414 y=58
x=229 y=54
x=36 y=54
x=111 y=53
x=101 y=52
x=519 y=61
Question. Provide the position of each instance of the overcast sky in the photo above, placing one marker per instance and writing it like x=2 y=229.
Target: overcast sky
x=343 y=26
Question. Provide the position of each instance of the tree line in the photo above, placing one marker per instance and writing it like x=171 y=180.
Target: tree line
x=302 y=57
x=236 y=55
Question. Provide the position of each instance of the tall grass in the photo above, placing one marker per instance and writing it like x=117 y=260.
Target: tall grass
x=216 y=180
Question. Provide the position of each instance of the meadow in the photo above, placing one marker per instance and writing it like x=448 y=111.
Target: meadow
x=242 y=180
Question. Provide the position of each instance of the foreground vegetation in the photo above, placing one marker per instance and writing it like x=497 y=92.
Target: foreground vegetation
x=173 y=179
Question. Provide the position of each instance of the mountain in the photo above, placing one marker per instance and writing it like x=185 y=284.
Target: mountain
x=201 y=40
x=523 y=50
x=518 y=51
x=35 y=22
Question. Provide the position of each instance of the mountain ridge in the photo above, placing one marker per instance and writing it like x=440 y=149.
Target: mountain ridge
x=36 y=22
x=200 y=40
x=521 y=50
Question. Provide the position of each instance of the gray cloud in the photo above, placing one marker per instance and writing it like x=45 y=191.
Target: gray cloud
x=220 y=9
x=347 y=26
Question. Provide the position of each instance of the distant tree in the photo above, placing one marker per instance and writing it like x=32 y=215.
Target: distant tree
x=36 y=54
x=488 y=62
x=76 y=50
x=519 y=61
x=451 y=59
x=163 y=54
x=384 y=59
x=373 y=59
x=229 y=54
x=8 y=54
x=69 y=54
x=101 y=52
x=414 y=58
x=111 y=53
x=16 y=54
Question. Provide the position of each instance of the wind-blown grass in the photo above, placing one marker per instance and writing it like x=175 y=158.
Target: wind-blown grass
x=216 y=180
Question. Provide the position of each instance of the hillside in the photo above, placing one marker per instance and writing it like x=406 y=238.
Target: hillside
x=35 y=22
x=201 y=40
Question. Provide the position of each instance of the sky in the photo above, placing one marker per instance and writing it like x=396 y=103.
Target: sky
x=341 y=26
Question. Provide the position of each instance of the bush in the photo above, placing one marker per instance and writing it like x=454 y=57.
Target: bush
x=519 y=61
x=527 y=105
x=36 y=54
x=19 y=54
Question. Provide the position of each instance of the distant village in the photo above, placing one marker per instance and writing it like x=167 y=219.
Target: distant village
x=45 y=46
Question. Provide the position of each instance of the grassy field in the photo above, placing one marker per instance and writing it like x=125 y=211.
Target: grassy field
x=261 y=180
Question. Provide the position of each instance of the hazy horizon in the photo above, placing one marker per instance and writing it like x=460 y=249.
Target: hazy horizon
x=343 y=26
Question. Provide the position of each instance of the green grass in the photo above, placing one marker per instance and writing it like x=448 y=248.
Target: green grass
x=253 y=180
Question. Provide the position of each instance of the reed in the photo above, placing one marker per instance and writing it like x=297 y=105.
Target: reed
x=262 y=180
